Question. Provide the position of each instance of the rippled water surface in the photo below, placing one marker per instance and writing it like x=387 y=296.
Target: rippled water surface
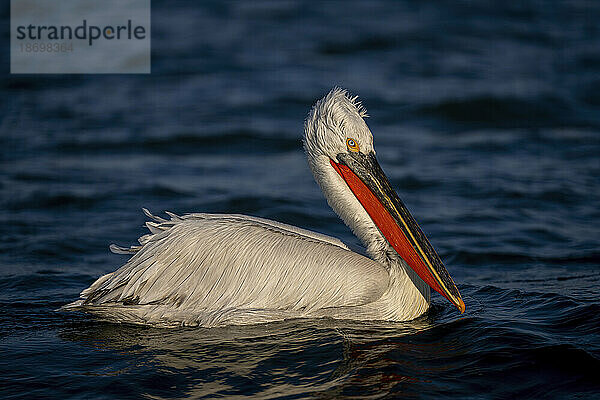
x=486 y=119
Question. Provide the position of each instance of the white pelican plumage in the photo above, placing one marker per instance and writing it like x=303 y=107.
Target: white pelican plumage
x=221 y=269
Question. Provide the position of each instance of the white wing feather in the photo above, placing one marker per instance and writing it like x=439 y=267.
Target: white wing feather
x=210 y=269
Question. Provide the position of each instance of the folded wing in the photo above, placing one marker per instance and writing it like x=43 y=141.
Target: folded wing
x=202 y=263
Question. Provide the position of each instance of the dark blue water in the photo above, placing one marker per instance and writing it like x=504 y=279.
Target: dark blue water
x=486 y=118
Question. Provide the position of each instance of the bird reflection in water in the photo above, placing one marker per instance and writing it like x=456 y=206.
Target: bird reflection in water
x=332 y=357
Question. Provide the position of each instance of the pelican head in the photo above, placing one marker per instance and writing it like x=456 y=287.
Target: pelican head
x=340 y=152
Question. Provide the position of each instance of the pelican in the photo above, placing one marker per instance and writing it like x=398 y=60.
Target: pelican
x=229 y=269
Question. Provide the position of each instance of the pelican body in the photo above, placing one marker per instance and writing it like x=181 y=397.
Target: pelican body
x=223 y=269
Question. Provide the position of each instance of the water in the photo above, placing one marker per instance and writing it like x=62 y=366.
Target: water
x=486 y=121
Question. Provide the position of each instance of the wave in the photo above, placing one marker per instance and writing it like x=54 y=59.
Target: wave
x=41 y=200
x=368 y=43
x=479 y=258
x=230 y=142
x=503 y=111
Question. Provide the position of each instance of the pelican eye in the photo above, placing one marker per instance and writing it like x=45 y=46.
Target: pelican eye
x=352 y=145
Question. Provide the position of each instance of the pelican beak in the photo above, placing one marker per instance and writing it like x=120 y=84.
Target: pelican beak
x=366 y=179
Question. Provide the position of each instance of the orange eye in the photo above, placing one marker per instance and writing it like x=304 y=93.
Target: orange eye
x=352 y=145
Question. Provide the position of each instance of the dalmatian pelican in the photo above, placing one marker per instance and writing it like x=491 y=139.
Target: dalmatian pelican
x=229 y=269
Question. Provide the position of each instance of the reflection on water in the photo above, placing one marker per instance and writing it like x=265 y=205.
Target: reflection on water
x=321 y=354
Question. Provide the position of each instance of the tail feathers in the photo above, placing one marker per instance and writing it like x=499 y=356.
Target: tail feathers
x=152 y=216
x=174 y=217
x=71 y=306
x=154 y=227
x=159 y=225
x=124 y=250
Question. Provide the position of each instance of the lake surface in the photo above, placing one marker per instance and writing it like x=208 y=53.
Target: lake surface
x=486 y=119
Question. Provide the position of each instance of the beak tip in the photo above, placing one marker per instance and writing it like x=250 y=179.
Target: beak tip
x=461 y=306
